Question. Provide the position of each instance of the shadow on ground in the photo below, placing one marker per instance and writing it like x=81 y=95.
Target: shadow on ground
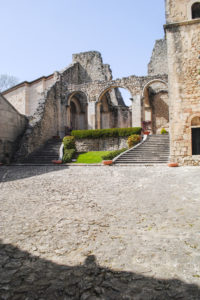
x=11 y=173
x=24 y=276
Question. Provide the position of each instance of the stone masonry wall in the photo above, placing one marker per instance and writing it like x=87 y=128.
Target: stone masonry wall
x=158 y=62
x=92 y=67
x=184 y=86
x=12 y=125
x=178 y=10
x=103 y=144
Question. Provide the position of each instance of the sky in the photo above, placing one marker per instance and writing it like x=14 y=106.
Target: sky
x=39 y=37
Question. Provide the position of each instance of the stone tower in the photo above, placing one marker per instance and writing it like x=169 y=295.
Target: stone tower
x=183 y=42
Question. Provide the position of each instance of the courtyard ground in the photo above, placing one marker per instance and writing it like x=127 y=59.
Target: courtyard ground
x=99 y=232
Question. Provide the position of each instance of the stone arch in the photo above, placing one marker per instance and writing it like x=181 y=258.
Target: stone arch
x=195 y=10
x=112 y=86
x=190 y=7
x=155 y=106
x=111 y=111
x=76 y=110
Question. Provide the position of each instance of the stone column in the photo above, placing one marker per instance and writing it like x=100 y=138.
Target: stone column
x=136 y=111
x=91 y=114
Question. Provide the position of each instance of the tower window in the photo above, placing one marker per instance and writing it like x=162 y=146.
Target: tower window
x=196 y=10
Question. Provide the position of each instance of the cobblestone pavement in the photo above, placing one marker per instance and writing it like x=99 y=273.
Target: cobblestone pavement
x=99 y=233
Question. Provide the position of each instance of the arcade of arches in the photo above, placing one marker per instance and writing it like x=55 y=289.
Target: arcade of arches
x=112 y=112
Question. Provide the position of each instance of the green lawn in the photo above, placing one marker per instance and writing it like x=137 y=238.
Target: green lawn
x=91 y=157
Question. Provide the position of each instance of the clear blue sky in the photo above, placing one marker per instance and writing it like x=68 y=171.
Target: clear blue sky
x=39 y=36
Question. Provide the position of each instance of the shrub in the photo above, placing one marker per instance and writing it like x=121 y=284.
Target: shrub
x=69 y=142
x=163 y=131
x=101 y=133
x=133 y=140
x=113 y=154
x=68 y=155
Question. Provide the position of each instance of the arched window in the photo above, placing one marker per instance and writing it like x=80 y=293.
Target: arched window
x=196 y=10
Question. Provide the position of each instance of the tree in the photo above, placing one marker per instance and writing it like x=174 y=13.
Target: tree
x=7 y=81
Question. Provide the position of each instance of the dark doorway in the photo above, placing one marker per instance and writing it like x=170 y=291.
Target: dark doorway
x=195 y=141
x=196 y=10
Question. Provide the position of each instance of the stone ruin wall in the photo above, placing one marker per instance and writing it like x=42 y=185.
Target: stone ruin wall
x=158 y=62
x=12 y=125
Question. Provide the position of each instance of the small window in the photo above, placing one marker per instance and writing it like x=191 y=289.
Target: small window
x=196 y=10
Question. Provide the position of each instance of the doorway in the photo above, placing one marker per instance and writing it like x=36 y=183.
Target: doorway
x=195 y=141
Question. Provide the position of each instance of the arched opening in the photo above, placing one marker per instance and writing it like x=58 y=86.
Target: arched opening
x=155 y=106
x=114 y=108
x=195 y=131
x=76 y=111
x=196 y=10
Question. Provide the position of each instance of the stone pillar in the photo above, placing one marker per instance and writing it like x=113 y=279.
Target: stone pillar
x=98 y=115
x=91 y=114
x=136 y=111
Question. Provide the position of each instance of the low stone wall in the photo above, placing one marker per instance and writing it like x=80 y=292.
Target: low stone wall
x=101 y=144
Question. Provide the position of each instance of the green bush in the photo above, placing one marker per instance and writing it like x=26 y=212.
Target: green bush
x=133 y=140
x=163 y=131
x=69 y=142
x=68 y=155
x=113 y=154
x=102 y=133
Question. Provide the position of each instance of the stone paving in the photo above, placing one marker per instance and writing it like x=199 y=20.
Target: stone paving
x=99 y=233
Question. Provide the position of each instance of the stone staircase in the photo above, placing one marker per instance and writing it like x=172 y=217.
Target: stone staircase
x=155 y=150
x=45 y=154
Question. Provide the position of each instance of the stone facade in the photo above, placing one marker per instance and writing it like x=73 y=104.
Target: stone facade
x=101 y=144
x=183 y=41
x=12 y=125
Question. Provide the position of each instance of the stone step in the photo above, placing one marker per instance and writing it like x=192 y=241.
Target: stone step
x=44 y=155
x=154 y=150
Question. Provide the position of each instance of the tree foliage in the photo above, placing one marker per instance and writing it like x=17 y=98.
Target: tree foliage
x=7 y=81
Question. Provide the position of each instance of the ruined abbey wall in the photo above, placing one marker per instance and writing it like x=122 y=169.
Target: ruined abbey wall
x=12 y=125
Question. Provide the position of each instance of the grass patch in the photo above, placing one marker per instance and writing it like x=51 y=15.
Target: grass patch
x=92 y=157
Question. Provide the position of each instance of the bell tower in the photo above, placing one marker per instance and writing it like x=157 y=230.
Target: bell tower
x=183 y=43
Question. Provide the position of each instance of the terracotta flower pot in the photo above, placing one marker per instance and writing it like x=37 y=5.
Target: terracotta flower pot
x=57 y=162
x=107 y=162
x=147 y=132
x=172 y=164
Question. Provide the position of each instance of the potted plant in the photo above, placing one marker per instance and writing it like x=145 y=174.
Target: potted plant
x=145 y=127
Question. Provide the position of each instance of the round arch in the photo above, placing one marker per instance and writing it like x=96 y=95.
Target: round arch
x=110 y=87
x=155 y=106
x=152 y=82
x=189 y=8
x=76 y=111
x=111 y=110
